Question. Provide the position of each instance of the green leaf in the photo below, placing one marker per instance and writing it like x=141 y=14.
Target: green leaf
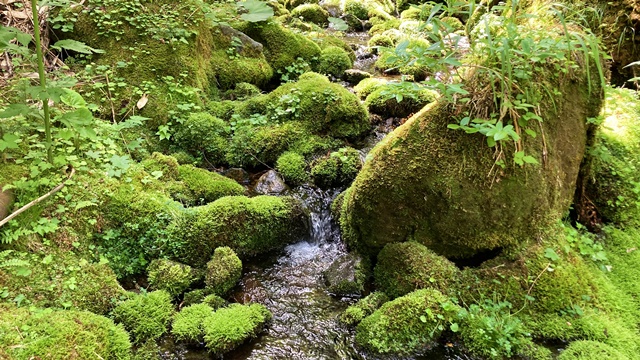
x=338 y=24
x=47 y=259
x=454 y=327
x=530 y=160
x=9 y=141
x=76 y=46
x=22 y=271
x=16 y=110
x=423 y=319
x=73 y=99
x=257 y=11
x=84 y=204
x=551 y=254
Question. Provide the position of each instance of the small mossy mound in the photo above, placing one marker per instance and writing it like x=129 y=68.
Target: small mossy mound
x=243 y=91
x=195 y=296
x=337 y=169
x=312 y=13
x=321 y=106
x=203 y=136
x=407 y=324
x=292 y=167
x=389 y=63
x=171 y=276
x=224 y=270
x=384 y=101
x=334 y=61
x=590 y=350
x=380 y=41
x=405 y=267
x=188 y=324
x=355 y=313
x=615 y=159
x=250 y=226
x=231 y=71
x=159 y=163
x=326 y=40
x=214 y=301
x=145 y=316
x=367 y=86
x=356 y=8
x=205 y=186
x=229 y=327
x=56 y=335
x=281 y=46
x=58 y=281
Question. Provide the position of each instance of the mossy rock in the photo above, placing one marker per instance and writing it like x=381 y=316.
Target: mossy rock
x=615 y=160
x=367 y=86
x=405 y=267
x=420 y=184
x=195 y=296
x=188 y=324
x=164 y=164
x=384 y=101
x=383 y=26
x=321 y=106
x=60 y=334
x=347 y=275
x=224 y=270
x=405 y=325
x=590 y=350
x=282 y=47
x=215 y=301
x=205 y=186
x=59 y=281
x=228 y=328
x=337 y=169
x=243 y=91
x=203 y=136
x=292 y=167
x=145 y=316
x=326 y=40
x=250 y=226
x=356 y=8
x=355 y=313
x=380 y=41
x=171 y=276
x=334 y=61
x=231 y=71
x=312 y=13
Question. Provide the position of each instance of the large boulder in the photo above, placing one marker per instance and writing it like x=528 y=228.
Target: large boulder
x=443 y=188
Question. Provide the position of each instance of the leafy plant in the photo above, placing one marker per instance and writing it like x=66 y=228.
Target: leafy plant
x=256 y=11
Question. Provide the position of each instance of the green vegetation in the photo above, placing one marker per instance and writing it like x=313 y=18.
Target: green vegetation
x=171 y=276
x=203 y=136
x=205 y=186
x=355 y=313
x=334 y=61
x=312 y=13
x=229 y=327
x=224 y=270
x=590 y=350
x=188 y=324
x=337 y=169
x=399 y=100
x=292 y=167
x=145 y=316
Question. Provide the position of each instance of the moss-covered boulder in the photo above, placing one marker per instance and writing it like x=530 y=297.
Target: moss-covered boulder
x=405 y=267
x=334 y=61
x=337 y=169
x=367 y=86
x=321 y=106
x=32 y=333
x=292 y=167
x=395 y=101
x=429 y=183
x=347 y=275
x=590 y=350
x=229 y=327
x=355 y=313
x=188 y=324
x=203 y=136
x=407 y=324
x=171 y=276
x=58 y=281
x=312 y=13
x=145 y=316
x=249 y=226
x=205 y=186
x=224 y=270
x=161 y=166
x=282 y=47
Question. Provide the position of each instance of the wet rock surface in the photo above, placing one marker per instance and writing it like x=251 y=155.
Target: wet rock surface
x=270 y=184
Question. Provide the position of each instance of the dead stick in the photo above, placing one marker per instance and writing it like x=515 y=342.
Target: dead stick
x=38 y=200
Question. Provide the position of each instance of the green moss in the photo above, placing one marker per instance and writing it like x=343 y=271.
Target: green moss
x=383 y=101
x=242 y=69
x=347 y=275
x=206 y=186
x=405 y=267
x=171 y=276
x=49 y=334
x=250 y=226
x=397 y=326
x=58 y=281
x=292 y=167
x=388 y=62
x=167 y=165
x=384 y=26
x=337 y=169
x=147 y=351
x=334 y=61
x=590 y=350
x=229 y=327
x=380 y=40
x=616 y=159
x=312 y=13
x=417 y=13
x=252 y=146
x=224 y=270
x=281 y=46
x=203 y=135
x=321 y=106
x=184 y=158
x=145 y=316
x=367 y=86
x=188 y=324
x=214 y=301
x=195 y=296
x=357 y=9
x=453 y=24
x=243 y=91
x=222 y=109
x=325 y=40
x=355 y=313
